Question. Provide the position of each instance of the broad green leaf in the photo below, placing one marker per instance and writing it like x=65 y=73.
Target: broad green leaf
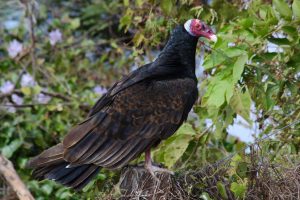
x=284 y=10
x=240 y=103
x=186 y=129
x=296 y=8
x=8 y=150
x=292 y=32
x=238 y=67
x=279 y=41
x=229 y=91
x=213 y=60
x=238 y=189
x=217 y=95
x=174 y=147
x=246 y=23
x=234 y=51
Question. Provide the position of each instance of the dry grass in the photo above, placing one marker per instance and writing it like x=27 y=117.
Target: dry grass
x=267 y=179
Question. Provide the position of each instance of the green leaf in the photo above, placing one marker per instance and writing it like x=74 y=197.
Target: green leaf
x=242 y=169
x=174 y=147
x=234 y=51
x=222 y=190
x=8 y=150
x=218 y=92
x=238 y=67
x=246 y=23
x=205 y=196
x=238 y=189
x=217 y=96
x=166 y=6
x=126 y=2
x=296 y=8
x=138 y=38
x=279 y=41
x=240 y=103
x=26 y=91
x=36 y=89
x=75 y=23
x=139 y=3
x=213 y=60
x=284 y=10
x=126 y=20
x=47 y=189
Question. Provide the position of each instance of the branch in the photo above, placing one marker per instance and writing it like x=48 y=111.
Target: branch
x=9 y=173
x=57 y=95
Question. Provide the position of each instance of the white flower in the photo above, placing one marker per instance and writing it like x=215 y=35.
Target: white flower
x=99 y=90
x=14 y=48
x=27 y=81
x=231 y=44
x=17 y=99
x=7 y=87
x=42 y=98
x=55 y=36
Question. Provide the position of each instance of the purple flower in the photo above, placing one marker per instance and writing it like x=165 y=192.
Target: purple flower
x=42 y=98
x=7 y=87
x=99 y=90
x=10 y=108
x=14 y=48
x=17 y=99
x=55 y=36
x=27 y=81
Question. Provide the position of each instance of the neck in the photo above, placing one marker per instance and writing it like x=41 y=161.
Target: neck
x=179 y=53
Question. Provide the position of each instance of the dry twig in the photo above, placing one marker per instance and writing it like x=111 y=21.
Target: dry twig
x=9 y=173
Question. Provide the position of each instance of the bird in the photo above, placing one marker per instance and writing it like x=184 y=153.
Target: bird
x=139 y=111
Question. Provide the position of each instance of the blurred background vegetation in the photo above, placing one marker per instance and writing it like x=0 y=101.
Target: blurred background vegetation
x=58 y=57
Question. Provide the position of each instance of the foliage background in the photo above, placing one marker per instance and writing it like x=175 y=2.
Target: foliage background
x=252 y=72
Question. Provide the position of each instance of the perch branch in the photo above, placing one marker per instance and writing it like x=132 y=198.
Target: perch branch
x=12 y=178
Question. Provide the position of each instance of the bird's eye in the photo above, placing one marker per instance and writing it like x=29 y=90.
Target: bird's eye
x=197 y=26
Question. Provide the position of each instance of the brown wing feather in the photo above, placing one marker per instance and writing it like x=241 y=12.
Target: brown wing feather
x=137 y=118
x=50 y=156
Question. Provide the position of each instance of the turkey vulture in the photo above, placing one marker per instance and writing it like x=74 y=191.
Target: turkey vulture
x=137 y=113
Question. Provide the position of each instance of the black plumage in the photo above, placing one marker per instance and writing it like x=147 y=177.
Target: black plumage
x=137 y=113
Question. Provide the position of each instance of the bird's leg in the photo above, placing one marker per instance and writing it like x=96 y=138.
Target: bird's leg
x=151 y=168
x=148 y=164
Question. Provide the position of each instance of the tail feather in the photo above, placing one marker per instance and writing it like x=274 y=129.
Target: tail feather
x=57 y=169
x=83 y=183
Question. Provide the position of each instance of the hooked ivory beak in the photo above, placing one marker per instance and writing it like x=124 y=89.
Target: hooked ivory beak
x=213 y=38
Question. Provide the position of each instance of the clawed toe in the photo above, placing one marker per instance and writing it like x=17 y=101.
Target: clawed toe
x=158 y=169
x=152 y=169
